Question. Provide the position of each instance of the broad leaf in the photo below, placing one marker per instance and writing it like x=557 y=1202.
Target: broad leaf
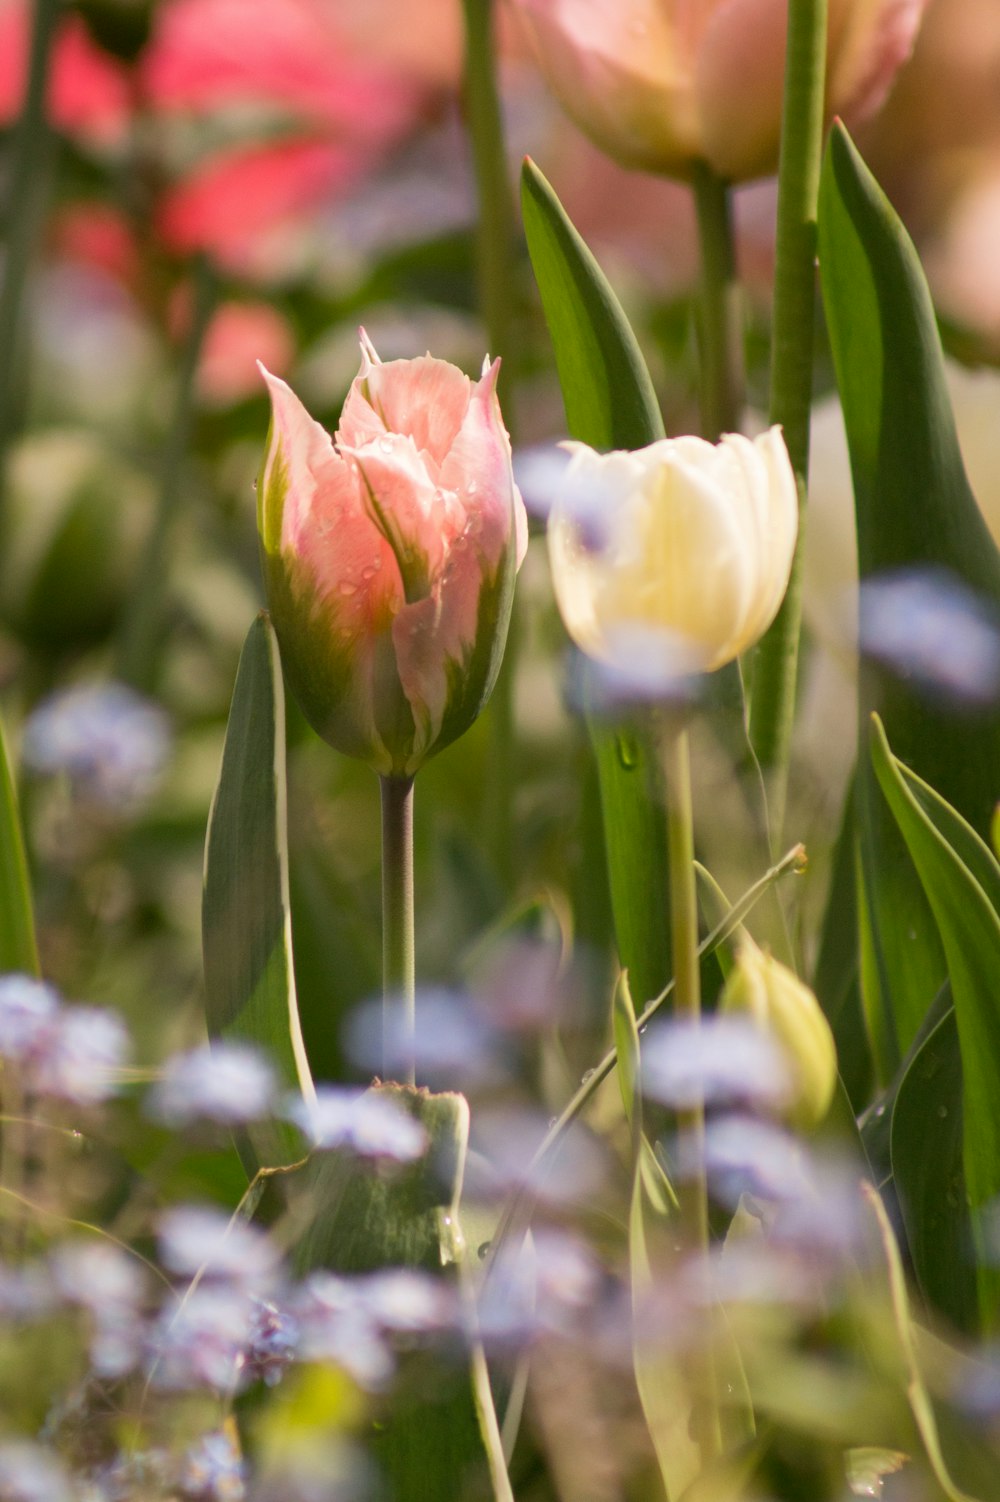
x=969 y=926
x=246 y=929
x=18 y=949
x=610 y=403
x=914 y=509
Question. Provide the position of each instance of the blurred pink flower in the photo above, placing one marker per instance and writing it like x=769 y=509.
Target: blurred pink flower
x=660 y=84
x=389 y=556
x=240 y=334
x=88 y=94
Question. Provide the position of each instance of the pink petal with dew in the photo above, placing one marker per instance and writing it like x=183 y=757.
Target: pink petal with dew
x=877 y=36
x=425 y=399
x=88 y=91
x=233 y=198
x=324 y=524
x=419 y=517
x=205 y=55
x=433 y=633
x=740 y=78
x=478 y=470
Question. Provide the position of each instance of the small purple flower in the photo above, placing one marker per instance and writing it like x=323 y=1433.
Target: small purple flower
x=213 y=1471
x=404 y=1301
x=229 y=1083
x=29 y=1473
x=201 y=1341
x=110 y=1285
x=723 y=1061
x=336 y=1327
x=28 y=1012
x=26 y=1292
x=199 y=1239
x=359 y=1121
x=86 y=1049
x=110 y=742
x=274 y=1339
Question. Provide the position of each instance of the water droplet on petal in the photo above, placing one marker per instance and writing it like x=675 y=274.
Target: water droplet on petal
x=942 y=1112
x=385 y=445
x=471 y=488
x=347 y=587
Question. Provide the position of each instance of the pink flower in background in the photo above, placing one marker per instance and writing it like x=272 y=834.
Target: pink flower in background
x=89 y=93
x=389 y=556
x=240 y=334
x=660 y=84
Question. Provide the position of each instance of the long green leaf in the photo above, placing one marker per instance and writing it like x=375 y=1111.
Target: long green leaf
x=18 y=948
x=914 y=509
x=926 y=1154
x=246 y=928
x=969 y=926
x=610 y=403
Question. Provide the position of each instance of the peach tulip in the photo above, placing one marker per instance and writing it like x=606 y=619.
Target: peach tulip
x=660 y=84
x=389 y=555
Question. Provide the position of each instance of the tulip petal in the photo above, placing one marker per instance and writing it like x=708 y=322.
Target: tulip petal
x=423 y=399
x=478 y=470
x=739 y=74
x=874 y=38
x=417 y=518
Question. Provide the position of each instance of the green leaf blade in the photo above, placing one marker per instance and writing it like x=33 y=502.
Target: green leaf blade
x=18 y=945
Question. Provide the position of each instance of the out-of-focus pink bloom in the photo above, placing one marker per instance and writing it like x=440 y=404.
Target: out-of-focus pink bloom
x=389 y=556
x=95 y=234
x=660 y=84
x=88 y=91
x=240 y=334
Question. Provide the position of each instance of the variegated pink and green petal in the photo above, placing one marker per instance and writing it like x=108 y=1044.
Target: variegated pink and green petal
x=425 y=398
x=477 y=468
x=417 y=518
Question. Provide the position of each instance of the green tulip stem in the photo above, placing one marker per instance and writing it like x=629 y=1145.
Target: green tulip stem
x=496 y=275
x=398 y=966
x=720 y=325
x=692 y=1191
x=28 y=179
x=775 y=669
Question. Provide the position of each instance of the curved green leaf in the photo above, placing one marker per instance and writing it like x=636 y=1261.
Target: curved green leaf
x=246 y=928
x=610 y=403
x=914 y=509
x=969 y=926
x=18 y=948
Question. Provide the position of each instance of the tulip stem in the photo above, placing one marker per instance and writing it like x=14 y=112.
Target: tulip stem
x=776 y=667
x=692 y=1190
x=720 y=324
x=496 y=274
x=398 y=965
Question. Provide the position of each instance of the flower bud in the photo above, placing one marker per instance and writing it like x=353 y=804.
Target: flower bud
x=778 y=1001
x=661 y=84
x=681 y=549
x=389 y=555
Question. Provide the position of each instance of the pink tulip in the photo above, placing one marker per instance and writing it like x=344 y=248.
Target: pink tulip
x=660 y=84
x=88 y=91
x=389 y=555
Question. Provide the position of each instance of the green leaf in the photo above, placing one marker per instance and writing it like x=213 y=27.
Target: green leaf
x=925 y=1147
x=610 y=403
x=969 y=926
x=18 y=948
x=437 y=1440
x=246 y=929
x=837 y=979
x=914 y=509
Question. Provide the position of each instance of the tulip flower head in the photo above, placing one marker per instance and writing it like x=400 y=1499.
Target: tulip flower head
x=661 y=84
x=681 y=550
x=389 y=555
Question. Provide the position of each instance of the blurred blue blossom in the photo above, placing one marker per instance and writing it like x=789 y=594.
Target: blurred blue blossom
x=361 y=1121
x=551 y=1284
x=453 y=1043
x=110 y=1285
x=85 y=1052
x=197 y=1239
x=743 y=1155
x=26 y=1292
x=337 y=1328
x=28 y=1010
x=927 y=625
x=201 y=1340
x=723 y=1061
x=29 y=1473
x=213 y=1471
x=110 y=742
x=229 y=1083
x=505 y=1142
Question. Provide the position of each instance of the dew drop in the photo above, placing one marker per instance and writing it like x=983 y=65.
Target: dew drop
x=628 y=751
x=471 y=488
x=385 y=445
x=347 y=587
x=482 y=1251
x=255 y=484
x=588 y=1075
x=942 y=1112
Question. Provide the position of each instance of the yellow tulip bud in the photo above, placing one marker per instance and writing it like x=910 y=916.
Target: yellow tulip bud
x=777 y=1000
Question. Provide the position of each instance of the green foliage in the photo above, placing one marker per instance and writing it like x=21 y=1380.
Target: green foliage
x=18 y=947
x=914 y=508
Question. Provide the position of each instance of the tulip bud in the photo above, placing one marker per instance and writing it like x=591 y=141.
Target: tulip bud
x=389 y=556
x=778 y=1001
x=661 y=84
x=682 y=549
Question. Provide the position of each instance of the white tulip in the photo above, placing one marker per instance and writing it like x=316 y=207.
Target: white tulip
x=682 y=549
